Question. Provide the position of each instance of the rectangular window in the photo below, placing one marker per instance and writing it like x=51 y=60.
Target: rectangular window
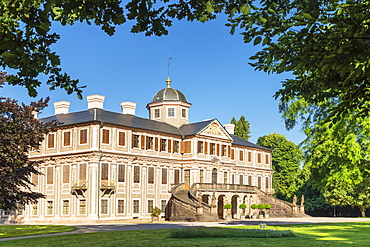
x=163 y=144
x=150 y=175
x=150 y=142
x=232 y=154
x=104 y=171
x=223 y=150
x=121 y=173
x=67 y=138
x=82 y=206
x=241 y=155
x=241 y=177
x=177 y=176
x=171 y=112
x=104 y=206
x=136 y=174
x=183 y=113
x=250 y=180
x=34 y=208
x=201 y=176
x=163 y=205
x=267 y=159
x=51 y=140
x=83 y=136
x=150 y=206
x=50 y=207
x=121 y=138
x=232 y=179
x=50 y=175
x=66 y=174
x=35 y=179
x=213 y=149
x=105 y=138
x=135 y=141
x=136 y=206
x=259 y=183
x=65 y=207
x=176 y=146
x=259 y=158
x=200 y=147
x=225 y=177
x=157 y=113
x=82 y=172
x=164 y=175
x=249 y=156
x=120 y=206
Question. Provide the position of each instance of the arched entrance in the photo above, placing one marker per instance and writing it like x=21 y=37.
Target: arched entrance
x=205 y=199
x=234 y=204
x=220 y=207
x=214 y=176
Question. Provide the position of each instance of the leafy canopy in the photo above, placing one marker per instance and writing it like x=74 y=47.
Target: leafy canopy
x=286 y=161
x=20 y=133
x=242 y=128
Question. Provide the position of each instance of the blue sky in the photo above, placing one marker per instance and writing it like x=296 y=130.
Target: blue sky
x=208 y=65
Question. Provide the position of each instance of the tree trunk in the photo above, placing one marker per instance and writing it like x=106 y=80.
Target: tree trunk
x=363 y=210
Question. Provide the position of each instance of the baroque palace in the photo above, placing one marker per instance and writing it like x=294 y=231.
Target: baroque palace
x=107 y=166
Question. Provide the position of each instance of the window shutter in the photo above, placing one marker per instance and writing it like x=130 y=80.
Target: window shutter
x=218 y=149
x=147 y=142
x=82 y=171
x=105 y=136
x=83 y=136
x=169 y=145
x=232 y=154
x=132 y=140
x=206 y=147
x=51 y=140
x=121 y=173
x=104 y=172
x=66 y=174
x=50 y=175
x=188 y=147
x=228 y=151
x=156 y=144
x=121 y=138
x=142 y=142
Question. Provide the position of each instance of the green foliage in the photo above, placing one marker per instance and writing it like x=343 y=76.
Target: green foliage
x=267 y=206
x=261 y=206
x=211 y=232
x=243 y=206
x=156 y=212
x=242 y=128
x=228 y=206
x=20 y=132
x=286 y=161
x=254 y=206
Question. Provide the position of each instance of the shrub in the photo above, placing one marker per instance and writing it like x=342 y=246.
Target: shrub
x=156 y=212
x=261 y=206
x=254 y=206
x=227 y=206
x=267 y=206
x=243 y=206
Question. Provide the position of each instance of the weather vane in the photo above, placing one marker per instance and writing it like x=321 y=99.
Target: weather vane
x=168 y=65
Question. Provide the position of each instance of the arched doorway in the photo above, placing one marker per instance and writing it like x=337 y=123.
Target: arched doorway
x=220 y=207
x=205 y=199
x=234 y=204
x=214 y=176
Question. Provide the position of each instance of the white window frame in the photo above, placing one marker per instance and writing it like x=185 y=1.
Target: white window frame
x=124 y=206
x=47 y=141
x=174 y=111
x=186 y=113
x=69 y=207
x=79 y=137
x=79 y=205
x=118 y=132
x=159 y=110
x=70 y=138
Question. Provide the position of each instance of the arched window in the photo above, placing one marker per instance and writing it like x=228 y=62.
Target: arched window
x=214 y=175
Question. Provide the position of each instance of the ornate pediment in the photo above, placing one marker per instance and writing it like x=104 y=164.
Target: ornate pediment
x=214 y=129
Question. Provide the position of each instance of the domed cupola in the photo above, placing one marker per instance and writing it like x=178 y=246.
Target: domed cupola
x=169 y=105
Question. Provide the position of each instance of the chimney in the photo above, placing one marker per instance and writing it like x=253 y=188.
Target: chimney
x=95 y=101
x=230 y=128
x=61 y=107
x=128 y=107
x=35 y=114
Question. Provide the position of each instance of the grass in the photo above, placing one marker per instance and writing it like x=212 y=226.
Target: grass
x=338 y=234
x=9 y=231
x=216 y=232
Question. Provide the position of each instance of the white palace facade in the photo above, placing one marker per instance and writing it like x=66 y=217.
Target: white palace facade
x=102 y=166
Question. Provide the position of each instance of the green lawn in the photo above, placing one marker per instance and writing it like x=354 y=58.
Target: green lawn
x=9 y=231
x=341 y=234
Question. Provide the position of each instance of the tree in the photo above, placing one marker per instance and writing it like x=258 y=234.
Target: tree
x=286 y=161
x=337 y=155
x=20 y=133
x=242 y=128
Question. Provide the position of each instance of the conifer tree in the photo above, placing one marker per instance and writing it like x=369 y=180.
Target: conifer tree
x=242 y=128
